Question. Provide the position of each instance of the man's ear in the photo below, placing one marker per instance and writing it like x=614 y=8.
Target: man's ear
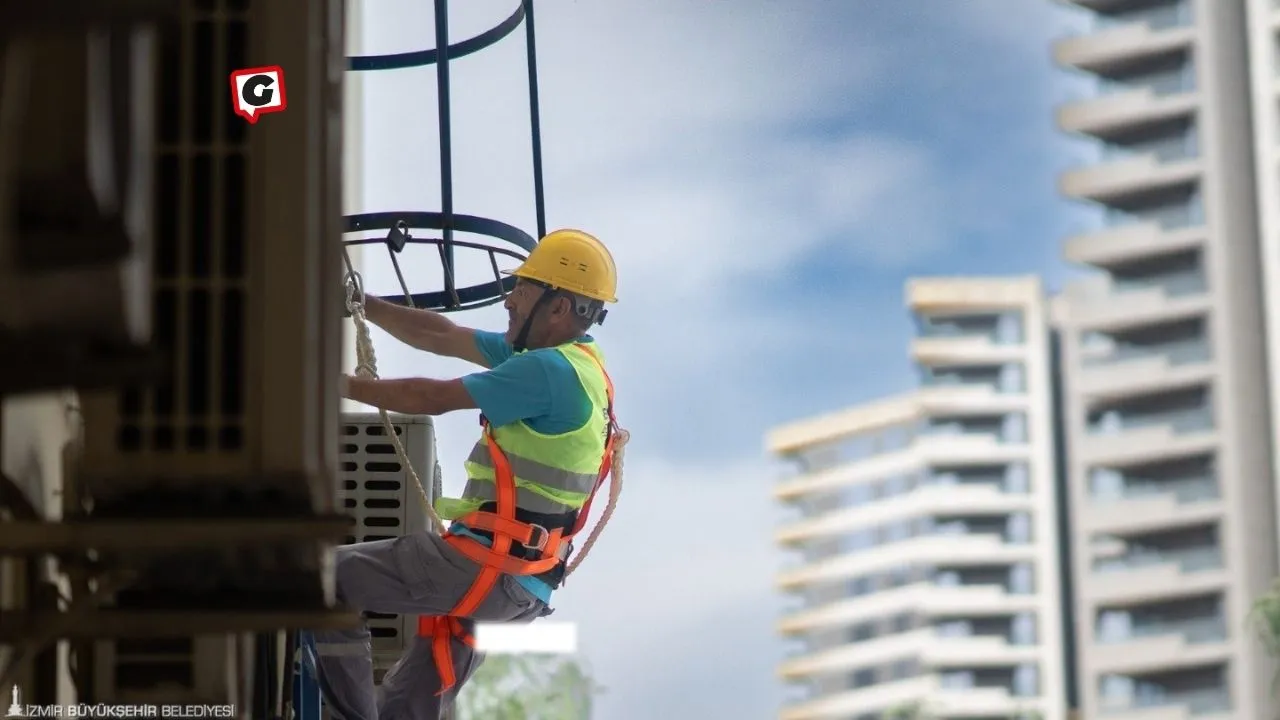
x=562 y=308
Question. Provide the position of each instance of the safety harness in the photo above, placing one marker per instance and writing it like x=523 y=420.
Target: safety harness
x=552 y=547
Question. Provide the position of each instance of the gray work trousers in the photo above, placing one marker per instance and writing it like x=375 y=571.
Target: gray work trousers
x=418 y=574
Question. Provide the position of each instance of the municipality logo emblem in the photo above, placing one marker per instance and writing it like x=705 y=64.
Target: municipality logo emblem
x=15 y=707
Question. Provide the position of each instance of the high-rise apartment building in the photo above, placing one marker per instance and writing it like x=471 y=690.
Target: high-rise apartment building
x=1264 y=51
x=926 y=529
x=1167 y=407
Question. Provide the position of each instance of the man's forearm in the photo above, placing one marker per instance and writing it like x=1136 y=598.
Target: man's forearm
x=410 y=396
x=417 y=328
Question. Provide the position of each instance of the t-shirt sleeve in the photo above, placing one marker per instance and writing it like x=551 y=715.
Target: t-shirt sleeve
x=517 y=389
x=493 y=346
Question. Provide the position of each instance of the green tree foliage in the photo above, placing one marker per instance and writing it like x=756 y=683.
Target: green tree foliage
x=528 y=687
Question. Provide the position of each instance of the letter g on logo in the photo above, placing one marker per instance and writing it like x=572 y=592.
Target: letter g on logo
x=257 y=91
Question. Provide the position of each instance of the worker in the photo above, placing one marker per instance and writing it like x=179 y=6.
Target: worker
x=546 y=408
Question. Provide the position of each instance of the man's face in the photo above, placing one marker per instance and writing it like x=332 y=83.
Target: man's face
x=519 y=304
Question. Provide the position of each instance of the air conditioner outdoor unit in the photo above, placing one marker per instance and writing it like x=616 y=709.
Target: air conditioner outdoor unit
x=247 y=279
x=248 y=309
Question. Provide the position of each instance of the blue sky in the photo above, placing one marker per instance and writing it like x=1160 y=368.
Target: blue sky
x=767 y=174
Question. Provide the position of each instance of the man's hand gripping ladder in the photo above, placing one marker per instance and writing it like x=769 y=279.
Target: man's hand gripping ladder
x=367 y=366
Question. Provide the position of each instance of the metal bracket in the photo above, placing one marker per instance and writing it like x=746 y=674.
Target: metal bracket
x=21 y=627
x=165 y=535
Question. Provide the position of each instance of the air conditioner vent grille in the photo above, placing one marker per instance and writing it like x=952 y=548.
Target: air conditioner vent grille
x=378 y=495
x=201 y=266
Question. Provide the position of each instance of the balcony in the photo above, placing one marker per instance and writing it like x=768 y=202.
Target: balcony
x=1106 y=50
x=1178 y=491
x=1165 y=646
x=1113 y=245
x=924 y=501
x=983 y=702
x=904 y=461
x=1152 y=575
x=1199 y=693
x=868 y=701
x=1154 y=512
x=968 y=449
x=1098 y=303
x=976 y=651
x=961 y=399
x=964 y=349
x=1144 y=428
x=924 y=598
x=1140 y=369
x=954 y=549
x=1125 y=109
x=1100 y=5
x=869 y=653
x=1113 y=181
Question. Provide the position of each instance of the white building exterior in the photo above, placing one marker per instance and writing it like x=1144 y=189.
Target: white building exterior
x=927 y=526
x=353 y=196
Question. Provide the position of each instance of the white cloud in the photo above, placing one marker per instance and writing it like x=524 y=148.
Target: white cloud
x=700 y=140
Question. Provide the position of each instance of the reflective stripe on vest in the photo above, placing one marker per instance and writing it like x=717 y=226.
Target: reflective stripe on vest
x=553 y=473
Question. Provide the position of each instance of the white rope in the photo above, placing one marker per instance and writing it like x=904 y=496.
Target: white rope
x=367 y=366
x=615 y=489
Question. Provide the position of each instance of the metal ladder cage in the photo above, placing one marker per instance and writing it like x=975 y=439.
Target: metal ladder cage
x=398 y=225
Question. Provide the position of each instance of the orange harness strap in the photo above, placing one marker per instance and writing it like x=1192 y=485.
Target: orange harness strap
x=496 y=561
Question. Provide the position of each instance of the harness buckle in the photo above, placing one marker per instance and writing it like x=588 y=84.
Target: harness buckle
x=537 y=540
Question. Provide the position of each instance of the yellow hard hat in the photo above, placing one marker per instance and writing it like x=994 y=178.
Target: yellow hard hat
x=573 y=261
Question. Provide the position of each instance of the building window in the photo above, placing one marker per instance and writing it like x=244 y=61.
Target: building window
x=1018 y=529
x=1021 y=579
x=862 y=678
x=955 y=629
x=1014 y=428
x=1009 y=328
x=1023 y=629
x=1011 y=378
x=1026 y=681
x=857 y=495
x=860 y=586
x=861 y=632
x=903 y=623
x=897 y=531
x=903 y=669
x=1106 y=484
x=900 y=576
x=956 y=680
x=1016 y=480
x=858 y=540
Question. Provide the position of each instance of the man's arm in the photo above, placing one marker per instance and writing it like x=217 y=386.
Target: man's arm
x=425 y=330
x=516 y=390
x=410 y=396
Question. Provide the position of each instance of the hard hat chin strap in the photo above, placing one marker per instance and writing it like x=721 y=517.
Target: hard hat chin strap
x=522 y=338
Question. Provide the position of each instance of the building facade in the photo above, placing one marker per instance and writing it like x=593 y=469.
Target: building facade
x=1163 y=352
x=926 y=573
x=1264 y=51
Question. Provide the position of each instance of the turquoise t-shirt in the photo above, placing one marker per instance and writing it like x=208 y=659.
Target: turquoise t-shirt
x=539 y=387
